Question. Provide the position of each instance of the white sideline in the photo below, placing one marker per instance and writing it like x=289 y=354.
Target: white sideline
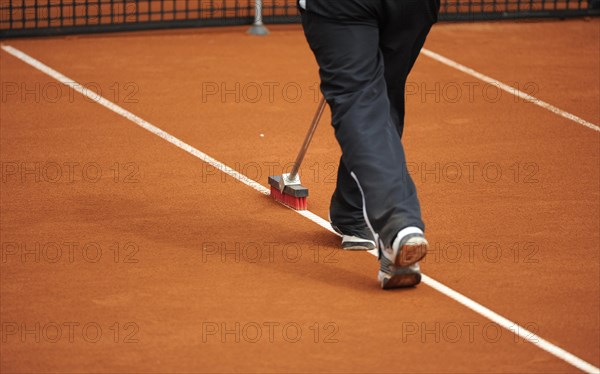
x=464 y=300
x=511 y=90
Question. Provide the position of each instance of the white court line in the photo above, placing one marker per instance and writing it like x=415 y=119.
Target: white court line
x=471 y=304
x=511 y=90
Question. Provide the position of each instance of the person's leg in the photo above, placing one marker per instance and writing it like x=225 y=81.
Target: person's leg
x=346 y=213
x=352 y=80
x=401 y=40
x=346 y=208
x=403 y=32
x=400 y=43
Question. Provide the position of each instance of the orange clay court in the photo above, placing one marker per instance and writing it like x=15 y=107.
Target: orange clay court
x=128 y=246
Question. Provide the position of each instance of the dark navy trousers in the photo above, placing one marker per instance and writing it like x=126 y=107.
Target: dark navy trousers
x=365 y=50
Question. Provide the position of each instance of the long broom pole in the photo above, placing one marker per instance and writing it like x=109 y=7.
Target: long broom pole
x=307 y=139
x=287 y=188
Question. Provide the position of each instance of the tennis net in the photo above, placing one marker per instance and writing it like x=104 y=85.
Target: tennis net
x=52 y=17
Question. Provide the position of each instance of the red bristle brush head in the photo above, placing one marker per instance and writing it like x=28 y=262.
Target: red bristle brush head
x=294 y=202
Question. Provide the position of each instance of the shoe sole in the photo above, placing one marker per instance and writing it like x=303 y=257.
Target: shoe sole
x=357 y=248
x=404 y=275
x=411 y=254
x=403 y=278
x=353 y=243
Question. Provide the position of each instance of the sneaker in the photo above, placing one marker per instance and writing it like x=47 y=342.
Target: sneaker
x=400 y=263
x=355 y=239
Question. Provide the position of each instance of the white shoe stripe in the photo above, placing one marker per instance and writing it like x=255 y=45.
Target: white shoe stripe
x=375 y=235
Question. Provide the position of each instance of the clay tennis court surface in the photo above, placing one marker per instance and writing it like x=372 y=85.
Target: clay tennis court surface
x=122 y=252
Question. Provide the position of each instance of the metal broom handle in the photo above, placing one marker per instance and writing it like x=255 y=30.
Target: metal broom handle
x=309 y=136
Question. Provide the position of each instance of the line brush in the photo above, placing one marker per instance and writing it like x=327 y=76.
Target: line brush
x=287 y=188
